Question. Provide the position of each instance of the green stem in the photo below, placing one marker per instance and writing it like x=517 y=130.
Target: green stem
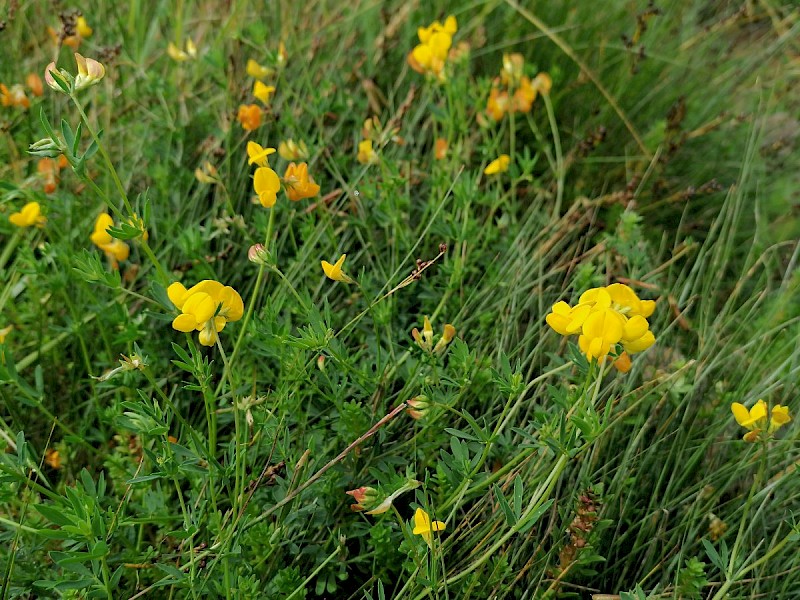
x=10 y=246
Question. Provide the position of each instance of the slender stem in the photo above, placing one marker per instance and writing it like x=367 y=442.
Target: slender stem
x=559 y=155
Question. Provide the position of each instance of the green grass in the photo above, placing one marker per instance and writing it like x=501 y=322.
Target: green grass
x=662 y=158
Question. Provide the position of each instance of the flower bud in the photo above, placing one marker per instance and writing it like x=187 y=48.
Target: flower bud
x=447 y=336
x=258 y=254
x=364 y=496
x=418 y=407
x=56 y=79
x=47 y=147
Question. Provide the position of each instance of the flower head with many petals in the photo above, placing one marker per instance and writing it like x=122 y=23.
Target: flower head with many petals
x=206 y=307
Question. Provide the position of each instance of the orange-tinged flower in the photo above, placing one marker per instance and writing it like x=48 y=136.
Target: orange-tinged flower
x=418 y=407
x=298 y=183
x=249 y=116
x=498 y=165
x=52 y=458
x=335 y=272
x=497 y=105
x=14 y=96
x=263 y=91
x=424 y=526
x=48 y=170
x=440 y=149
x=34 y=83
x=30 y=216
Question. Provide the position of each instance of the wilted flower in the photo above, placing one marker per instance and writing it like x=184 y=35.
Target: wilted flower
x=14 y=96
x=48 y=171
x=291 y=150
x=30 y=216
x=116 y=250
x=207 y=173
x=249 y=116
x=513 y=91
x=334 y=271
x=425 y=527
x=298 y=182
x=498 y=165
x=755 y=419
x=176 y=54
x=263 y=91
x=4 y=332
x=257 y=71
x=206 y=307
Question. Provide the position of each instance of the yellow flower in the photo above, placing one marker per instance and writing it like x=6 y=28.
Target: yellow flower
x=116 y=250
x=257 y=71
x=82 y=28
x=4 y=332
x=543 y=83
x=266 y=184
x=498 y=165
x=291 y=150
x=605 y=317
x=755 y=419
x=424 y=526
x=90 y=72
x=52 y=458
x=430 y=55
x=298 y=183
x=258 y=154
x=249 y=116
x=262 y=91
x=335 y=271
x=513 y=66
x=30 y=216
x=366 y=155
x=206 y=307
x=179 y=55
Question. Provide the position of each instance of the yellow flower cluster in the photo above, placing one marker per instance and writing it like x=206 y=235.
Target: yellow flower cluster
x=116 y=250
x=755 y=419
x=206 y=307
x=514 y=92
x=425 y=339
x=266 y=182
x=430 y=55
x=605 y=317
